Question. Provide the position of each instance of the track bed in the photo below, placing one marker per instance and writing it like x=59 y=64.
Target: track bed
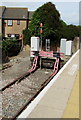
x=20 y=93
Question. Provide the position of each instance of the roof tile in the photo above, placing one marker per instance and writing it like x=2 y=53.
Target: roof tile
x=16 y=13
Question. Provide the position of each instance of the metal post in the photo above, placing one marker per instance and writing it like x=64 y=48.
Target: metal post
x=41 y=50
x=22 y=42
x=41 y=43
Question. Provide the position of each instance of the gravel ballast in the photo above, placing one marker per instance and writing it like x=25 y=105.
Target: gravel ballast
x=17 y=95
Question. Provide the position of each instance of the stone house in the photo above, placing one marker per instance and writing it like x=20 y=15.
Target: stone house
x=1 y=14
x=14 y=21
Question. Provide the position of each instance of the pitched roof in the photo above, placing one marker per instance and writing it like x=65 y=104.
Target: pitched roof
x=30 y=14
x=16 y=13
x=2 y=9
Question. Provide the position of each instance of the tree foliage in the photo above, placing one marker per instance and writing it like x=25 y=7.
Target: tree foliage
x=69 y=31
x=10 y=47
x=49 y=17
x=53 y=27
x=27 y=36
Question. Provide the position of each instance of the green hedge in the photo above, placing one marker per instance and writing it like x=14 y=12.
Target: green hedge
x=27 y=36
x=11 y=47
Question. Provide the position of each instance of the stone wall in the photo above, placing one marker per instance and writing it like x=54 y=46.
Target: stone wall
x=76 y=44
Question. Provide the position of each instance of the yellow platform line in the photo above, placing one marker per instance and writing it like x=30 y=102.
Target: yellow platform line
x=72 y=108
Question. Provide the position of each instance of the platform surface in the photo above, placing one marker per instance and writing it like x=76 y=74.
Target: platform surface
x=72 y=108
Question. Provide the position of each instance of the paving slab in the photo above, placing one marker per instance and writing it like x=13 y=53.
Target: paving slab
x=72 y=108
x=49 y=112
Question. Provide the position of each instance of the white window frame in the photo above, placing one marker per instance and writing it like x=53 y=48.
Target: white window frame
x=10 y=22
x=18 y=22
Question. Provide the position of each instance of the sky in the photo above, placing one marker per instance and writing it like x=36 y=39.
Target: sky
x=68 y=9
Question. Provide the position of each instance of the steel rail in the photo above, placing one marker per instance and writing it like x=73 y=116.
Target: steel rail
x=56 y=66
x=33 y=69
x=5 y=67
x=14 y=81
x=26 y=104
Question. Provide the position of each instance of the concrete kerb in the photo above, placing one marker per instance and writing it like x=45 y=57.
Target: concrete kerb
x=33 y=104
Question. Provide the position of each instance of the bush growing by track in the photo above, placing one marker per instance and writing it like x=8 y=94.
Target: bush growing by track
x=27 y=36
x=10 y=47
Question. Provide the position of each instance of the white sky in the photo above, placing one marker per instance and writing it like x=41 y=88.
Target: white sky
x=69 y=9
x=40 y=0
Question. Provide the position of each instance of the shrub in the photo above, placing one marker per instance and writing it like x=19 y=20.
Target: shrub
x=10 y=47
x=27 y=36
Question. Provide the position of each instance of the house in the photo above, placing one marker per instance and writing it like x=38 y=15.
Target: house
x=1 y=13
x=30 y=13
x=0 y=20
x=14 y=21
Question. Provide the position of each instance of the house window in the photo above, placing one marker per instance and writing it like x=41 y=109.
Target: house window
x=9 y=22
x=18 y=22
x=17 y=36
x=13 y=35
x=9 y=35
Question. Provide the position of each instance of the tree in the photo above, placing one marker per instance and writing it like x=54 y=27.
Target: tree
x=53 y=27
x=49 y=17
x=70 y=31
x=27 y=36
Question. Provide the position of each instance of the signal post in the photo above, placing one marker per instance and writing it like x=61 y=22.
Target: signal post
x=41 y=43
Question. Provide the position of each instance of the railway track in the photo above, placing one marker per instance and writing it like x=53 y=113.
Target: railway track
x=35 y=91
x=5 y=67
x=34 y=67
x=16 y=80
x=25 y=106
